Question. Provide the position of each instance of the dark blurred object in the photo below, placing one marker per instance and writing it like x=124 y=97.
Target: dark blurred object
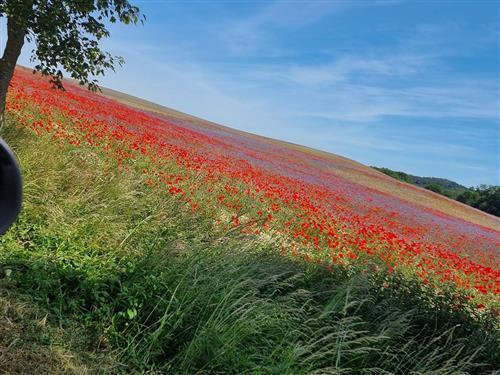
x=10 y=187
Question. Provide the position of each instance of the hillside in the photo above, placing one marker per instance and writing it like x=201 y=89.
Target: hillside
x=443 y=182
x=484 y=197
x=153 y=241
x=340 y=166
x=422 y=181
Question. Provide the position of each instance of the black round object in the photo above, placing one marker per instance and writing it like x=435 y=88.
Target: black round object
x=11 y=187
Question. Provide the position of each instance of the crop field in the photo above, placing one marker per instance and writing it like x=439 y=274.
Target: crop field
x=310 y=208
x=261 y=186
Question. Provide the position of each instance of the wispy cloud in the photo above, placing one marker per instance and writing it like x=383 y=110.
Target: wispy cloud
x=257 y=32
x=346 y=68
x=250 y=34
x=366 y=103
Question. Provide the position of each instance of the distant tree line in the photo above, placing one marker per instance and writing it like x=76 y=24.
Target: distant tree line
x=484 y=197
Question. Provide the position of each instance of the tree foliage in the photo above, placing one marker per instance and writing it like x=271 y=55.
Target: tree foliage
x=66 y=34
x=484 y=197
x=401 y=176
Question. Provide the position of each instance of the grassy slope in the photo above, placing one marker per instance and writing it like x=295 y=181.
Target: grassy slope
x=103 y=274
x=108 y=276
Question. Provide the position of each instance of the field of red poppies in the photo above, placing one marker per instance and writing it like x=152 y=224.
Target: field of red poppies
x=151 y=241
x=319 y=207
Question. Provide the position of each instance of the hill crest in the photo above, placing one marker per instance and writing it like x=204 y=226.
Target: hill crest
x=335 y=165
x=363 y=174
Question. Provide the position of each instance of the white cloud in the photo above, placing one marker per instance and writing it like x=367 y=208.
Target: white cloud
x=345 y=68
x=365 y=103
x=255 y=32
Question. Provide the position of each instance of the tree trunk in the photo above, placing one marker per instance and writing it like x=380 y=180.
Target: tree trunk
x=15 y=42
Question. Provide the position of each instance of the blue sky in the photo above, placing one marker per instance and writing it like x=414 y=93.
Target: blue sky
x=410 y=85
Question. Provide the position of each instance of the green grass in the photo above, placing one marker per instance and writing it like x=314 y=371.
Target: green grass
x=132 y=281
